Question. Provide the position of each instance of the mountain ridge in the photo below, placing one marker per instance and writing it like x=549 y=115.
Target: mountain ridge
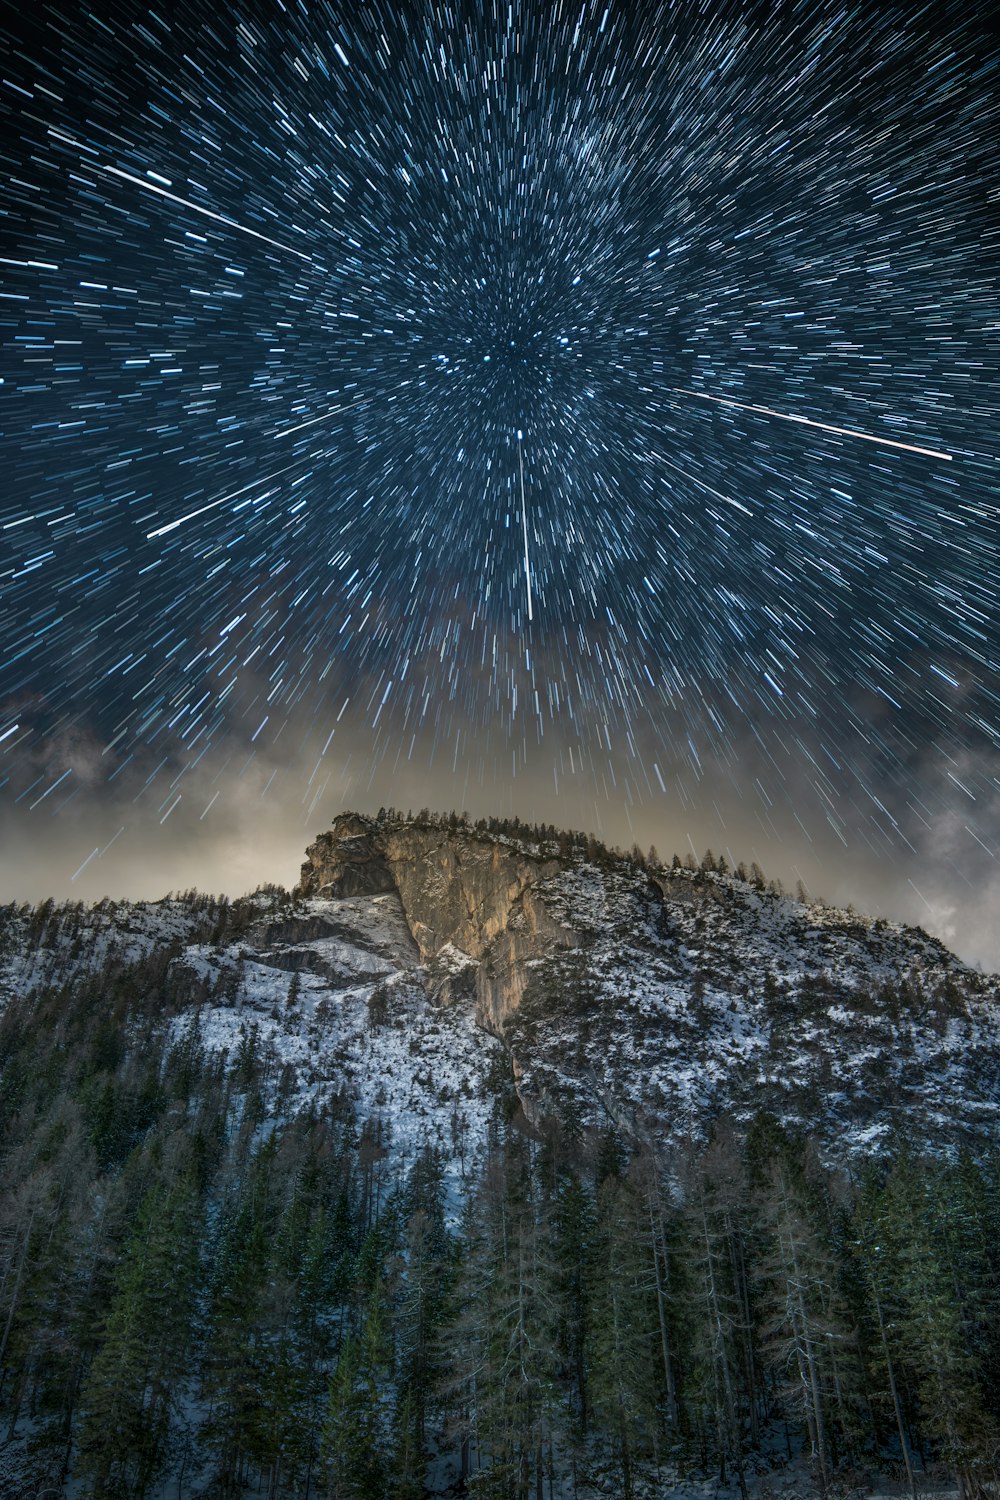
x=663 y=996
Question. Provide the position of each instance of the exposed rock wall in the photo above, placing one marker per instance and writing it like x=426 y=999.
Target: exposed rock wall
x=347 y=861
x=530 y=934
x=458 y=892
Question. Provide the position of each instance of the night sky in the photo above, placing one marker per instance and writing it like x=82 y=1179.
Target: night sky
x=585 y=411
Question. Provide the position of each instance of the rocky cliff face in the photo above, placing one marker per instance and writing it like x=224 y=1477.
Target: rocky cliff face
x=471 y=903
x=347 y=861
x=661 y=999
x=706 y=991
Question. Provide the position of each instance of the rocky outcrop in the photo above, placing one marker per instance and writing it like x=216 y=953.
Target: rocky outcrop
x=462 y=895
x=347 y=861
x=530 y=934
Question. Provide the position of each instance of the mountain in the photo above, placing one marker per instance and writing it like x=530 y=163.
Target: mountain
x=442 y=1017
x=656 y=998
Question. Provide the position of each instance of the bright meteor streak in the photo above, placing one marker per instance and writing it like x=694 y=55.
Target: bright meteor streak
x=311 y=422
x=787 y=416
x=214 y=504
x=152 y=187
x=524 y=520
x=198 y=208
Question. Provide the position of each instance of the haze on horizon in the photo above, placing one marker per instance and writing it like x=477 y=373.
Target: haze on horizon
x=256 y=829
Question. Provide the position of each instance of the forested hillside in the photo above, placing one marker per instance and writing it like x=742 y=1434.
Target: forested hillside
x=249 y=1245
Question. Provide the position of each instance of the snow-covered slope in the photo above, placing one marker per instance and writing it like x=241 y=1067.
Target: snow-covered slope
x=334 y=1002
x=657 y=998
x=328 y=995
x=695 y=994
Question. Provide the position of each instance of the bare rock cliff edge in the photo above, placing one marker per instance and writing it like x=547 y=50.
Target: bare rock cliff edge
x=471 y=903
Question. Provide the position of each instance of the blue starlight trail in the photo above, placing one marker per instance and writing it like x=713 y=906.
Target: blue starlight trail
x=518 y=391
x=524 y=520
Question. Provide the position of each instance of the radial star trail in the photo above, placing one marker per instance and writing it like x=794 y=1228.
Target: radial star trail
x=787 y=416
x=280 y=283
x=199 y=208
x=524 y=521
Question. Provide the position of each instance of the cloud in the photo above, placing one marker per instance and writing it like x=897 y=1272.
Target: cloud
x=243 y=813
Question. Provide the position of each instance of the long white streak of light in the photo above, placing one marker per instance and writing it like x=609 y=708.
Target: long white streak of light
x=98 y=853
x=310 y=422
x=92 y=855
x=695 y=480
x=787 y=416
x=524 y=520
x=213 y=504
x=209 y=213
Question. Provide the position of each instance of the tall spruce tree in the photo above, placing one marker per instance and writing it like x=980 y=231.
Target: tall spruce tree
x=806 y=1333
x=622 y=1338
x=356 y=1439
x=136 y=1379
x=717 y=1397
x=933 y=1325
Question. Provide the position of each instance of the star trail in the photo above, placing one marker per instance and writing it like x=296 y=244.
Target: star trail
x=597 y=399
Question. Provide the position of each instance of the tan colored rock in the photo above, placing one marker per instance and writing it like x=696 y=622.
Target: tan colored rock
x=459 y=891
x=347 y=861
x=530 y=934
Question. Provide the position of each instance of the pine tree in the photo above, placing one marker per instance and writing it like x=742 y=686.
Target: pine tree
x=356 y=1448
x=718 y=1366
x=623 y=1380
x=134 y=1381
x=933 y=1328
x=806 y=1333
x=872 y=1246
x=571 y=1230
x=236 y=1356
x=423 y=1294
x=504 y=1328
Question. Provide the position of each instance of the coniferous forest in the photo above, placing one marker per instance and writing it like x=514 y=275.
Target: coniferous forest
x=196 y=1298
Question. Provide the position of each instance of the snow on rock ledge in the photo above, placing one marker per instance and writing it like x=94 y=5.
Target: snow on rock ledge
x=459 y=891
